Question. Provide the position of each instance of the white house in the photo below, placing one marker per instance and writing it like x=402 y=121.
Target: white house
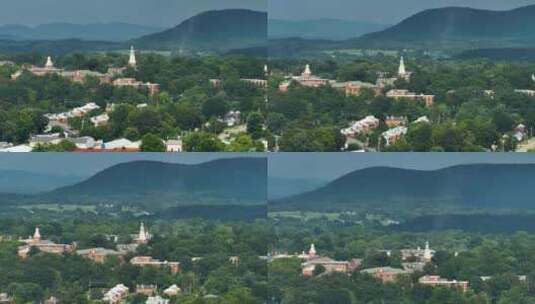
x=173 y=145
x=157 y=300
x=173 y=290
x=100 y=120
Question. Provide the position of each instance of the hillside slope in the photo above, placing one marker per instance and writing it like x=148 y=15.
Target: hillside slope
x=459 y=27
x=466 y=186
x=236 y=181
x=221 y=30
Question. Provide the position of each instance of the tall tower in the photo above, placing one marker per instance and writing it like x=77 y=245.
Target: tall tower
x=312 y=251
x=307 y=72
x=401 y=71
x=266 y=70
x=132 y=62
x=49 y=64
x=36 y=234
x=143 y=236
x=427 y=252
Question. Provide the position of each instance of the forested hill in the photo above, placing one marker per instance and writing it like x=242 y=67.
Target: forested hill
x=459 y=27
x=211 y=31
x=221 y=30
x=157 y=185
x=465 y=186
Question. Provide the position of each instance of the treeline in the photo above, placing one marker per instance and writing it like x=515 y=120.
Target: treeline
x=482 y=223
x=224 y=213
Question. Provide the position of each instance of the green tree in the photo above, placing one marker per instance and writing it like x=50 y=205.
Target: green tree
x=202 y=142
x=420 y=137
x=255 y=125
x=152 y=143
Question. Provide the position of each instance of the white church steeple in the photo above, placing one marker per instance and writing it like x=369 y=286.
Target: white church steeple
x=401 y=71
x=49 y=64
x=312 y=252
x=132 y=62
x=37 y=234
x=143 y=235
x=427 y=252
x=307 y=72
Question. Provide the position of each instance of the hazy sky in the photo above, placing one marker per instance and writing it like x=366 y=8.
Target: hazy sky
x=87 y=164
x=328 y=166
x=377 y=11
x=164 y=13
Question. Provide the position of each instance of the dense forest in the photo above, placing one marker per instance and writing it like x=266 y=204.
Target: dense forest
x=188 y=105
x=463 y=117
x=73 y=279
x=459 y=256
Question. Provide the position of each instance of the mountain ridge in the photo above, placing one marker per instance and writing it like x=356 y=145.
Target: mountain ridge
x=467 y=186
x=159 y=185
x=219 y=30
x=458 y=27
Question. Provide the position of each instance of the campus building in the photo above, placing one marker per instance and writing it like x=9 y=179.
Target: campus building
x=80 y=76
x=47 y=246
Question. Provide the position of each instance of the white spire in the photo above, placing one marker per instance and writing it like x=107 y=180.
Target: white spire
x=49 y=63
x=401 y=70
x=427 y=252
x=533 y=77
x=266 y=70
x=142 y=234
x=307 y=72
x=132 y=60
x=36 y=234
x=312 y=251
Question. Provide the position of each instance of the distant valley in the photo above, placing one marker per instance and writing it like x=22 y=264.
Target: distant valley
x=332 y=29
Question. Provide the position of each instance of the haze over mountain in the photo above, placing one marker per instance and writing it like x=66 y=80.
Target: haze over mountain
x=279 y=187
x=465 y=186
x=23 y=182
x=375 y=11
x=159 y=185
x=114 y=31
x=159 y=13
x=459 y=27
x=333 y=29
x=212 y=30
